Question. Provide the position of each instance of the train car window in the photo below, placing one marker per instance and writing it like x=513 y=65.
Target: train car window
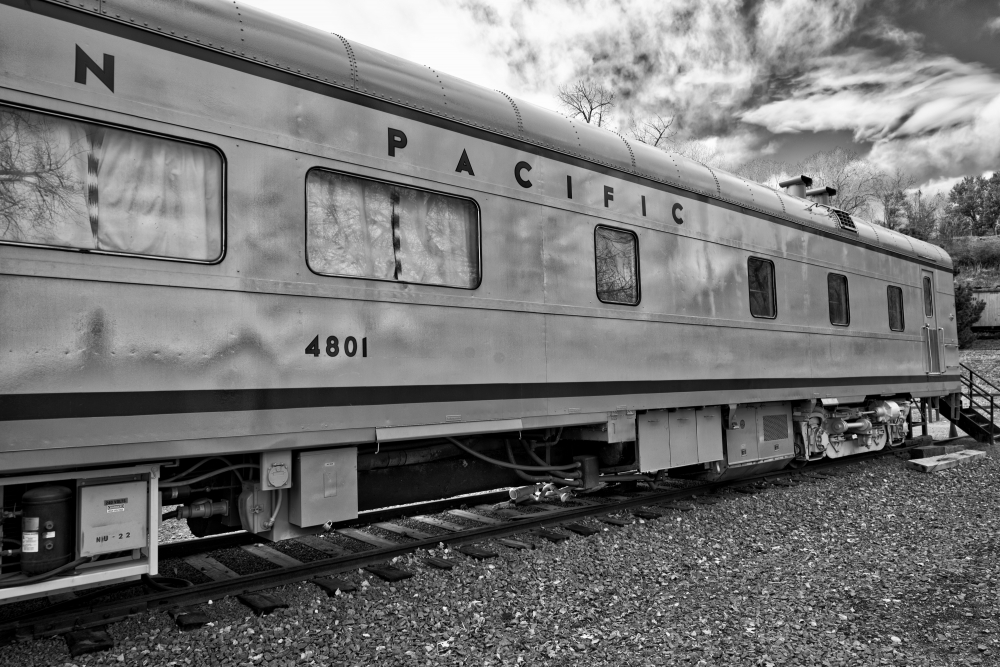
x=70 y=184
x=928 y=297
x=364 y=228
x=616 y=255
x=762 y=291
x=840 y=306
x=896 y=321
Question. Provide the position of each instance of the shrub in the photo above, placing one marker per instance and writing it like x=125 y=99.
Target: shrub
x=967 y=310
x=974 y=251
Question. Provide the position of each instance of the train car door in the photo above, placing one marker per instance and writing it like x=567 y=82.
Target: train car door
x=931 y=332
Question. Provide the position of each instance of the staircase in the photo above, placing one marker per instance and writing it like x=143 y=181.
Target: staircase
x=977 y=408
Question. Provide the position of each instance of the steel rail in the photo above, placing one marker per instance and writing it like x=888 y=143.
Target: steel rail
x=184 y=548
x=40 y=624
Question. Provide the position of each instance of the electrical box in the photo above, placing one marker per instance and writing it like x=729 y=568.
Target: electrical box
x=774 y=428
x=113 y=517
x=683 y=438
x=654 y=440
x=620 y=427
x=324 y=487
x=709 y=433
x=741 y=436
x=255 y=507
x=759 y=433
x=276 y=470
x=675 y=438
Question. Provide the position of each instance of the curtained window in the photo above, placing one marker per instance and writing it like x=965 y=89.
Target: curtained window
x=70 y=184
x=372 y=229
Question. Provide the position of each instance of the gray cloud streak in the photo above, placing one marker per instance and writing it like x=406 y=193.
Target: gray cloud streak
x=729 y=69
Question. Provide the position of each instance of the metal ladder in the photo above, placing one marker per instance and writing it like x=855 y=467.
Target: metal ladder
x=977 y=408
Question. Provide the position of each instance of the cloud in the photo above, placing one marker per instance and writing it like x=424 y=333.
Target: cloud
x=925 y=115
x=736 y=74
x=700 y=60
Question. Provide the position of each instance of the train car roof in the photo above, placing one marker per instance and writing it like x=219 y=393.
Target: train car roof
x=275 y=42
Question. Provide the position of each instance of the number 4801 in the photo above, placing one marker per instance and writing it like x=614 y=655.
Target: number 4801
x=333 y=346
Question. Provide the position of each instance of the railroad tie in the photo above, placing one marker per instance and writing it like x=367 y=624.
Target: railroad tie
x=411 y=533
x=514 y=544
x=477 y=552
x=323 y=545
x=388 y=573
x=615 y=521
x=334 y=585
x=472 y=516
x=439 y=563
x=271 y=555
x=367 y=538
x=210 y=567
x=581 y=529
x=439 y=523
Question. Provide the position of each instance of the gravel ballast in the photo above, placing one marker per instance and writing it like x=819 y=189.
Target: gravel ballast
x=878 y=566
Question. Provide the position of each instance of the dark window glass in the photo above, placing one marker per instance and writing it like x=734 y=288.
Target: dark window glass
x=372 y=229
x=65 y=183
x=840 y=307
x=928 y=297
x=895 y=295
x=762 y=295
x=617 y=258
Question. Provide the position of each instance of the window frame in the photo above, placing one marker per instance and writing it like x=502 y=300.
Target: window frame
x=847 y=301
x=638 y=272
x=774 y=288
x=223 y=190
x=305 y=229
x=927 y=293
x=902 y=308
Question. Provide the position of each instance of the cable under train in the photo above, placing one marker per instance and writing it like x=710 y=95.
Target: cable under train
x=276 y=278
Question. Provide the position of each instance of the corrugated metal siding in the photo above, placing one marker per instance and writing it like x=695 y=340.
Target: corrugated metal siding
x=991 y=314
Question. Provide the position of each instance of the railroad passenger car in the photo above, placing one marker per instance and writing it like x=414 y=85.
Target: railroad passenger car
x=276 y=278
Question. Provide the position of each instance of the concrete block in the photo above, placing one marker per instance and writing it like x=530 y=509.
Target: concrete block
x=927 y=451
x=920 y=440
x=945 y=461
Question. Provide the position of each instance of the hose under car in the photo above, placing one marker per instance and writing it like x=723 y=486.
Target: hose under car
x=510 y=466
x=184 y=482
x=25 y=581
x=539 y=479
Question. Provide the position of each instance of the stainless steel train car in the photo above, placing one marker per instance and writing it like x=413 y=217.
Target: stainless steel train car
x=274 y=278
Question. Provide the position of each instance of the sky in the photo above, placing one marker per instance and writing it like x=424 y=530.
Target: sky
x=912 y=84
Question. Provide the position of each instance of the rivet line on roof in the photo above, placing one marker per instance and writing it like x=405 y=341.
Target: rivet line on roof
x=351 y=58
x=629 y=146
x=517 y=112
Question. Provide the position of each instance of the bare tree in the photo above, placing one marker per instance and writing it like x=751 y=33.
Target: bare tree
x=653 y=130
x=762 y=170
x=890 y=192
x=701 y=152
x=854 y=177
x=588 y=100
x=36 y=180
x=923 y=215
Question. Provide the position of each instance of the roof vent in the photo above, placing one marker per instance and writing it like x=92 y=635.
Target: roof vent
x=796 y=186
x=821 y=195
x=844 y=218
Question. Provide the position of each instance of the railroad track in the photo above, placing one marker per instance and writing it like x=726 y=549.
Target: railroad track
x=547 y=522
